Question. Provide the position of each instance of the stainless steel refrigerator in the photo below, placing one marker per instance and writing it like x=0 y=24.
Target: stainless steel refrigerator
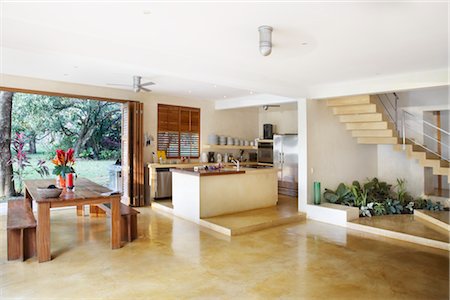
x=285 y=159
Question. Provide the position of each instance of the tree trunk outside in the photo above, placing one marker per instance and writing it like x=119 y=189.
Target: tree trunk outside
x=85 y=135
x=95 y=150
x=6 y=171
x=32 y=144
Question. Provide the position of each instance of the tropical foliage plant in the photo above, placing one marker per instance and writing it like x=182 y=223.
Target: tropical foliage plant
x=377 y=198
x=437 y=206
x=379 y=209
x=21 y=163
x=393 y=207
x=339 y=196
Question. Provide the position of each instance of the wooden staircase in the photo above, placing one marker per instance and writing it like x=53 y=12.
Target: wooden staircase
x=365 y=118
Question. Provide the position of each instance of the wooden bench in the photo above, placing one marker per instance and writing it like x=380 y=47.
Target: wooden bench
x=21 y=230
x=128 y=221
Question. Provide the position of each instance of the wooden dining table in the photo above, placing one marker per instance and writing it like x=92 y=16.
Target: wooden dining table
x=85 y=192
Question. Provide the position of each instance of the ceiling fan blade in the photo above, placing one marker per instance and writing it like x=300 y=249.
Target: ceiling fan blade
x=147 y=83
x=145 y=89
x=119 y=84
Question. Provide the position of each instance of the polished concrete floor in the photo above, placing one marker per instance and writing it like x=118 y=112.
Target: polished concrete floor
x=408 y=224
x=285 y=212
x=443 y=216
x=176 y=259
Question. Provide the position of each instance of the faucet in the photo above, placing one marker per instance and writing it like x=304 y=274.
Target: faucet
x=237 y=163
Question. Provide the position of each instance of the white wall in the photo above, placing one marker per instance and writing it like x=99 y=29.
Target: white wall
x=284 y=118
x=436 y=96
x=333 y=155
x=381 y=84
x=394 y=164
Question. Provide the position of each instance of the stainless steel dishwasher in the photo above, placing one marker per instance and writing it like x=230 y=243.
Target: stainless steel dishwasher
x=163 y=183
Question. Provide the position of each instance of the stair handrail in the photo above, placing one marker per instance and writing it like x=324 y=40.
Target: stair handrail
x=425 y=122
x=394 y=106
x=420 y=121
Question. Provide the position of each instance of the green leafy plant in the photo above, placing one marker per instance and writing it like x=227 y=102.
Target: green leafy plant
x=378 y=198
x=393 y=207
x=410 y=207
x=437 y=206
x=341 y=195
x=109 y=154
x=377 y=191
x=86 y=153
x=365 y=211
x=360 y=194
x=379 y=209
x=21 y=164
x=402 y=195
x=420 y=203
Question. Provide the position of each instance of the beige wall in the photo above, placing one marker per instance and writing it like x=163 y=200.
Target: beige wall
x=239 y=123
x=333 y=155
x=64 y=87
x=394 y=164
x=284 y=118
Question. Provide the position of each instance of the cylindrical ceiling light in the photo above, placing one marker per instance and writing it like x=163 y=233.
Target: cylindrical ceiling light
x=265 y=39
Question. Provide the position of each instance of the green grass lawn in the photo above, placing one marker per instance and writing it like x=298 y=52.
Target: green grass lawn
x=95 y=170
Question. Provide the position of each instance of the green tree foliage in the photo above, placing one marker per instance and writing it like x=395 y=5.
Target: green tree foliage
x=59 y=122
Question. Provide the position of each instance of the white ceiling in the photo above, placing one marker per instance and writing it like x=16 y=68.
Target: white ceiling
x=211 y=49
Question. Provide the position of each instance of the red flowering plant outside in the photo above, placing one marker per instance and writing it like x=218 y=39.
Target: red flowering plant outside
x=20 y=161
x=64 y=162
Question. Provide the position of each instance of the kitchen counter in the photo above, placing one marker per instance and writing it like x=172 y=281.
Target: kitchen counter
x=218 y=172
x=193 y=164
x=204 y=194
x=154 y=166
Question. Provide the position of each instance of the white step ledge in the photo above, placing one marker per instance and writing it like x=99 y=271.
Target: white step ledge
x=332 y=213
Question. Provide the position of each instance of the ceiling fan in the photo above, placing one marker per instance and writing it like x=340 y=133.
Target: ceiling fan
x=137 y=85
x=266 y=107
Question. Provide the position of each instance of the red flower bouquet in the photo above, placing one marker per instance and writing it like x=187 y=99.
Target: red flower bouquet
x=64 y=162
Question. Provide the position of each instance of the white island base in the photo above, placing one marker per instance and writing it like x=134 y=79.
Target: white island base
x=198 y=195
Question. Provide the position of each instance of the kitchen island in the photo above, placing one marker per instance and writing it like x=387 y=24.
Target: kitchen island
x=208 y=193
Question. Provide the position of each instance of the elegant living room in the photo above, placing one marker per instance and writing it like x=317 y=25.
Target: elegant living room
x=203 y=150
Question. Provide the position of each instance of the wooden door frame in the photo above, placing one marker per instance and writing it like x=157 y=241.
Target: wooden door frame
x=136 y=189
x=57 y=94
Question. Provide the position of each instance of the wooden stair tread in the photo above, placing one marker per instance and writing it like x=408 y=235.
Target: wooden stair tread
x=355 y=109
x=368 y=125
x=373 y=133
x=351 y=100
x=378 y=140
x=20 y=215
x=373 y=117
x=367 y=122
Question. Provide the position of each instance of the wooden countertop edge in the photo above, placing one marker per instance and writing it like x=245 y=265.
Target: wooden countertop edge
x=205 y=174
x=158 y=165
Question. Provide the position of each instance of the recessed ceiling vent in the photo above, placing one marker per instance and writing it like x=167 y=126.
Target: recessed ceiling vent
x=265 y=39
